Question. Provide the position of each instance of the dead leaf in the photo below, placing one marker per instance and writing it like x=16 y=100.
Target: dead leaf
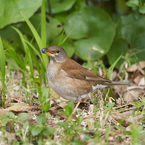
x=134 y=67
x=131 y=96
x=142 y=81
x=20 y=107
x=135 y=77
x=3 y=111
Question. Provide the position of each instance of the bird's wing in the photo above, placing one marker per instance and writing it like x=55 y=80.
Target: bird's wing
x=75 y=70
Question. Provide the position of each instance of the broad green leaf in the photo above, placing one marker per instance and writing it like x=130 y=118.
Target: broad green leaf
x=10 y=10
x=133 y=32
x=23 y=116
x=26 y=125
x=5 y=120
x=41 y=119
x=93 y=32
x=11 y=115
x=142 y=9
x=11 y=39
x=132 y=3
x=118 y=47
x=48 y=131
x=36 y=130
x=58 y=6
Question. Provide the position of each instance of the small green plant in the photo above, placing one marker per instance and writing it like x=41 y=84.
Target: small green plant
x=137 y=3
x=40 y=129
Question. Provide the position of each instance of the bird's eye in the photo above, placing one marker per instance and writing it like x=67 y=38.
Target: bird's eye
x=57 y=51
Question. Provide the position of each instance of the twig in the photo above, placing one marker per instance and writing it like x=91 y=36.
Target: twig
x=49 y=6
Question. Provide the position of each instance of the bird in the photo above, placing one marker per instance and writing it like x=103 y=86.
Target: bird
x=69 y=79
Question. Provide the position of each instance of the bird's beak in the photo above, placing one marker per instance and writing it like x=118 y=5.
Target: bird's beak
x=47 y=51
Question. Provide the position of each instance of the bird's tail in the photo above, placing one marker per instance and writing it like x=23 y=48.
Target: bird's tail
x=116 y=83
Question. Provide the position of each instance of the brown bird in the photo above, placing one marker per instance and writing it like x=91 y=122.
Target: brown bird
x=69 y=79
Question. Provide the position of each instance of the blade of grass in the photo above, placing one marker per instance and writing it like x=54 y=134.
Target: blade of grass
x=15 y=56
x=2 y=70
x=67 y=35
x=37 y=38
x=21 y=66
x=110 y=70
x=60 y=39
x=102 y=65
x=22 y=39
x=35 y=50
x=25 y=49
x=91 y=63
x=43 y=23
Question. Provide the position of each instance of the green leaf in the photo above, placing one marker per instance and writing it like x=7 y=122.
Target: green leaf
x=44 y=96
x=10 y=10
x=63 y=124
x=77 y=142
x=133 y=32
x=110 y=105
x=46 y=106
x=36 y=130
x=5 y=120
x=23 y=116
x=89 y=31
x=26 y=125
x=142 y=9
x=69 y=108
x=58 y=6
x=11 y=115
x=119 y=46
x=135 y=133
x=41 y=119
x=132 y=3
x=48 y=131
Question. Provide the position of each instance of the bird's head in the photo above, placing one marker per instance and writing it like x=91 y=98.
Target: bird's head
x=55 y=53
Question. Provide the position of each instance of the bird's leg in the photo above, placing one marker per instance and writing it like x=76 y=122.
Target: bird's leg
x=76 y=107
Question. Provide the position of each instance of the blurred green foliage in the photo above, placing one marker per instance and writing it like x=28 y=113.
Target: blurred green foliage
x=94 y=28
